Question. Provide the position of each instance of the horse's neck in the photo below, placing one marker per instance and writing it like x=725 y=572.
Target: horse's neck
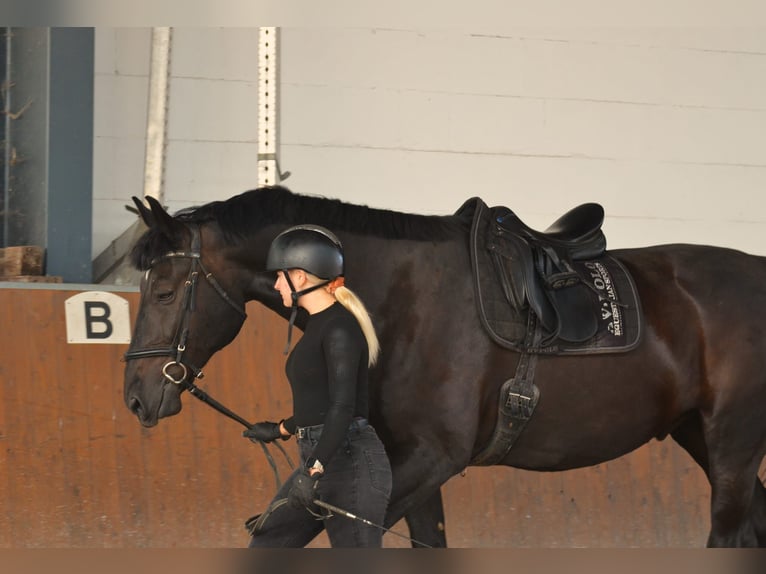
x=258 y=283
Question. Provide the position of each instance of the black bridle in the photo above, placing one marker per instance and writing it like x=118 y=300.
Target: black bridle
x=177 y=348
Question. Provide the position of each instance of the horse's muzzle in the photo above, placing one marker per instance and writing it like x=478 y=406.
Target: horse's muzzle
x=167 y=404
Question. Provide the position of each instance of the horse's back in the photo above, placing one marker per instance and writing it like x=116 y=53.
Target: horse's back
x=714 y=279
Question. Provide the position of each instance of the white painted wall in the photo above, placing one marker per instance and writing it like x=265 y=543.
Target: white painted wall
x=212 y=121
x=666 y=127
x=119 y=131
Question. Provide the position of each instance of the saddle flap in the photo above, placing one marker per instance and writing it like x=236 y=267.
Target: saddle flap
x=516 y=271
x=577 y=311
x=574 y=304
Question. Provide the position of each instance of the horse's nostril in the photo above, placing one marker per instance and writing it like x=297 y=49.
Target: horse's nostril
x=134 y=405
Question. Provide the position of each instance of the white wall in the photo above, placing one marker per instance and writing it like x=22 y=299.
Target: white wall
x=121 y=92
x=212 y=120
x=666 y=127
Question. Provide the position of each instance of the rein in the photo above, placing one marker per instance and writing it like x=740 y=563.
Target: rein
x=211 y=402
x=177 y=348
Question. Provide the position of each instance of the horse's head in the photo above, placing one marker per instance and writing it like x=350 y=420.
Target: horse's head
x=192 y=304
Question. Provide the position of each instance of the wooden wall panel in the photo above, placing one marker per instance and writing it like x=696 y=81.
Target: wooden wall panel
x=77 y=470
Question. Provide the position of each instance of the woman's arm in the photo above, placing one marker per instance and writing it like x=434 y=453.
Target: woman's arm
x=343 y=347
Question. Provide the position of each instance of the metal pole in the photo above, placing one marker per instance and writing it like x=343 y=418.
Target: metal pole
x=268 y=110
x=5 y=86
x=156 y=120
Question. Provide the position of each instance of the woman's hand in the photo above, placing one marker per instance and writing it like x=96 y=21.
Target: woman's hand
x=266 y=432
x=303 y=491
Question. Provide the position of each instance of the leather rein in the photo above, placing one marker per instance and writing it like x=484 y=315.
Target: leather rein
x=177 y=348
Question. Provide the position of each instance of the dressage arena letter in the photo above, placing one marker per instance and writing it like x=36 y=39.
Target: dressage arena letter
x=102 y=317
x=97 y=317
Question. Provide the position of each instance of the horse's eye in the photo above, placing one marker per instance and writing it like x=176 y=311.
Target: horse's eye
x=165 y=296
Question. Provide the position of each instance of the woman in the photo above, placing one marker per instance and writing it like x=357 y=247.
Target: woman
x=342 y=460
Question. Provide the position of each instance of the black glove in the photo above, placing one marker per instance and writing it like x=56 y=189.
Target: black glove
x=303 y=491
x=265 y=432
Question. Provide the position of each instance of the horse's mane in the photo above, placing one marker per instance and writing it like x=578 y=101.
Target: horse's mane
x=251 y=210
x=243 y=214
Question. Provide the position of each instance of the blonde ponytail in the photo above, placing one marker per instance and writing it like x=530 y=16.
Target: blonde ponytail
x=350 y=301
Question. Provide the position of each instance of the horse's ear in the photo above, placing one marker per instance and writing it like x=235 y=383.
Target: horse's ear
x=161 y=218
x=145 y=214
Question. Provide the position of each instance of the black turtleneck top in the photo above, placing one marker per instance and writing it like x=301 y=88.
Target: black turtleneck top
x=327 y=371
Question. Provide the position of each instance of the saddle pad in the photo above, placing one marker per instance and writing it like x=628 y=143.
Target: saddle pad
x=620 y=318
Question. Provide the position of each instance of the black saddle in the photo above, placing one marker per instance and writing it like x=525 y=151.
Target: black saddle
x=535 y=267
x=577 y=232
x=563 y=275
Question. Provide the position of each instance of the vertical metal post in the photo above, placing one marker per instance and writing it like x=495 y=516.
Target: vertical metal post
x=5 y=150
x=156 y=120
x=69 y=232
x=268 y=102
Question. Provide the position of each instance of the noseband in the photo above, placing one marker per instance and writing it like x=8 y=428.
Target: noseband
x=178 y=346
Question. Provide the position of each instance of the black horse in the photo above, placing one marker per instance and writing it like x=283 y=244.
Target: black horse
x=698 y=372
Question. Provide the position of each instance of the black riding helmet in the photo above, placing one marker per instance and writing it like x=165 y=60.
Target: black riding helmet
x=312 y=248
x=309 y=247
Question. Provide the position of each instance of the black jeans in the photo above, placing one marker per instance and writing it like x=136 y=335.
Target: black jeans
x=357 y=479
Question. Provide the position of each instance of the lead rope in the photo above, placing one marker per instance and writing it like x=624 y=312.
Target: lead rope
x=210 y=401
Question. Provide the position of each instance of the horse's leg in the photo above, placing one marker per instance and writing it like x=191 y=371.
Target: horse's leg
x=738 y=500
x=416 y=494
x=738 y=512
x=758 y=514
x=690 y=435
x=426 y=522
x=738 y=517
